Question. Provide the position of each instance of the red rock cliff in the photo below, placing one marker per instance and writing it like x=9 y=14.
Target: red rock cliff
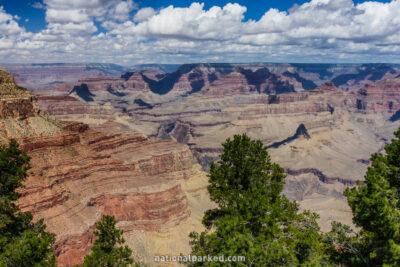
x=79 y=174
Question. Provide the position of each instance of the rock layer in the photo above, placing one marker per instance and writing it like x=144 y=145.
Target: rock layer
x=79 y=174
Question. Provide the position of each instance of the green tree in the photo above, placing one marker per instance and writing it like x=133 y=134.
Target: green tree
x=107 y=250
x=344 y=246
x=22 y=242
x=376 y=211
x=253 y=218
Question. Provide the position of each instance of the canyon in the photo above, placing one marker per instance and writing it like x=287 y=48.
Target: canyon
x=321 y=122
x=155 y=189
x=137 y=142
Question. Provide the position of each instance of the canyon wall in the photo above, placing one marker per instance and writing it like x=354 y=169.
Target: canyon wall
x=154 y=188
x=342 y=122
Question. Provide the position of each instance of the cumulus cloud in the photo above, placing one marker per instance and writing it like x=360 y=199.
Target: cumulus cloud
x=66 y=16
x=8 y=24
x=332 y=19
x=319 y=30
x=121 y=11
x=76 y=17
x=144 y=14
x=189 y=23
x=99 y=9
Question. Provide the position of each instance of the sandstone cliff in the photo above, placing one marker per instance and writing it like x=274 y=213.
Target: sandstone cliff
x=153 y=188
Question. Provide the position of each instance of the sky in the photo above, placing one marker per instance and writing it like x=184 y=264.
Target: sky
x=129 y=32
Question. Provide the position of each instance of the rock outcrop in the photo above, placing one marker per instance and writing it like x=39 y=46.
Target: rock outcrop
x=15 y=102
x=301 y=132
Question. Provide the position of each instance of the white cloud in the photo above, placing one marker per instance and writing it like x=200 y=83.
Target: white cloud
x=71 y=29
x=144 y=14
x=340 y=19
x=67 y=16
x=8 y=24
x=319 y=30
x=192 y=22
x=121 y=11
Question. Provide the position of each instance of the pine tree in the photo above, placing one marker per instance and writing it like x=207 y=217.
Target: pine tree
x=253 y=218
x=22 y=242
x=107 y=250
x=376 y=211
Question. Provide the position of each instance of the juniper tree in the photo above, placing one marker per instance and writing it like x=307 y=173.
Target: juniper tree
x=22 y=242
x=376 y=211
x=108 y=249
x=253 y=218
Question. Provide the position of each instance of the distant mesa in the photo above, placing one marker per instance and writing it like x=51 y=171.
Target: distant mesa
x=371 y=72
x=306 y=76
x=83 y=92
x=257 y=77
x=263 y=76
x=127 y=75
x=165 y=85
x=300 y=132
x=307 y=84
x=212 y=77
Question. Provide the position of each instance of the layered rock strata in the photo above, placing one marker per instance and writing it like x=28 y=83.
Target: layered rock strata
x=202 y=105
x=153 y=188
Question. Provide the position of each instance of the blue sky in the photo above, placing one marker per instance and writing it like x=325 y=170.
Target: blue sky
x=36 y=16
x=160 y=31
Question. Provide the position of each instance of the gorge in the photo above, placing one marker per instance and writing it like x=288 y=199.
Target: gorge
x=155 y=189
x=341 y=112
x=137 y=145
